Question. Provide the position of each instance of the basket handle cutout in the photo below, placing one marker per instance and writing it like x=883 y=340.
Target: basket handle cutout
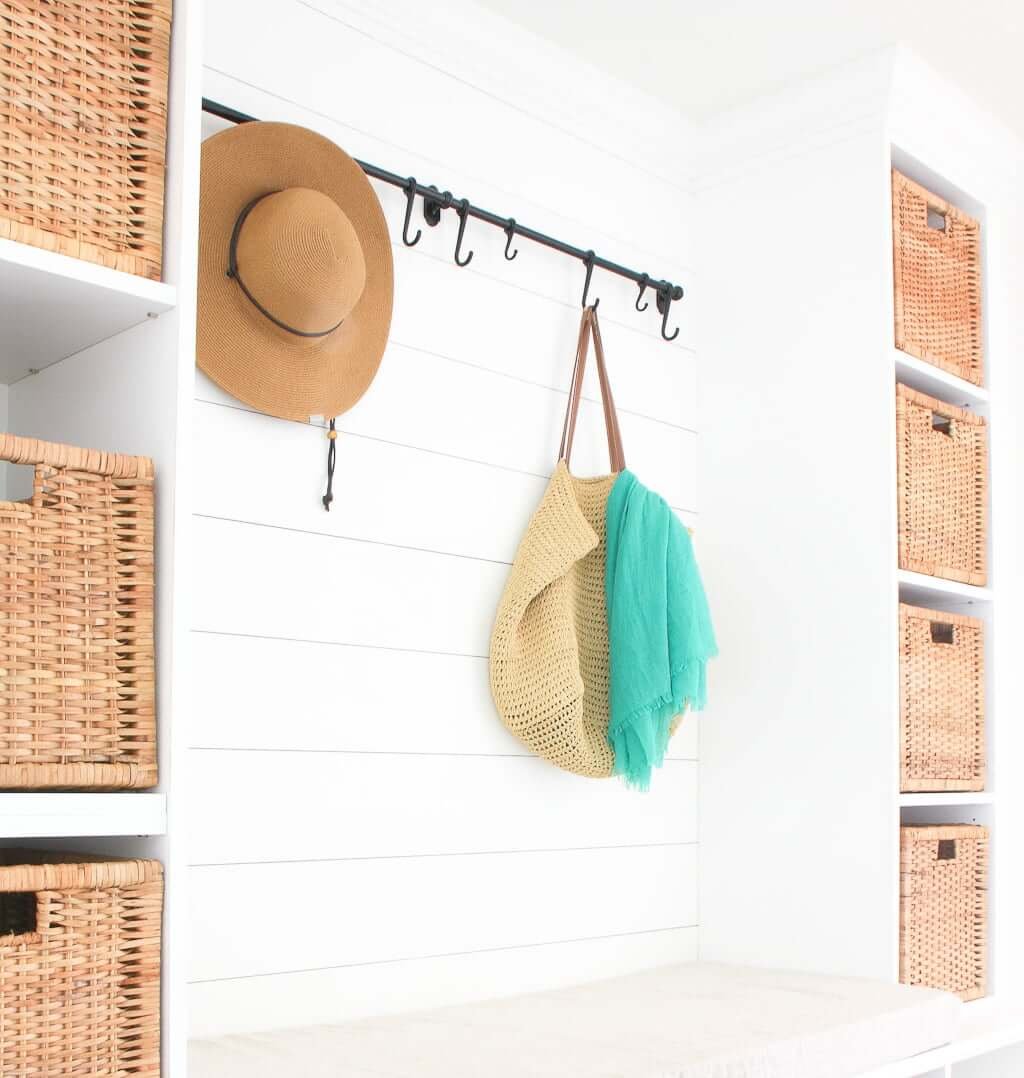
x=937 y=219
x=19 y=913
x=943 y=424
x=947 y=849
x=942 y=632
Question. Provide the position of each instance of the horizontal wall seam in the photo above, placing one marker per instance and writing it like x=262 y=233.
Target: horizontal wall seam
x=337 y=643
x=445 y=954
x=350 y=538
x=442 y=854
x=206 y=402
x=393 y=752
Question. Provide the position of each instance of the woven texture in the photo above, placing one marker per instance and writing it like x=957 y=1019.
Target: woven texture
x=549 y=649
x=943 y=907
x=83 y=118
x=942 y=488
x=79 y=966
x=942 y=701
x=76 y=621
x=937 y=276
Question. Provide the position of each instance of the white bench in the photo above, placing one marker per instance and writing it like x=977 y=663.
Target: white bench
x=697 y=1020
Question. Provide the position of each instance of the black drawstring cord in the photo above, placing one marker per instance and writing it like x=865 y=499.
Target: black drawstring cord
x=332 y=436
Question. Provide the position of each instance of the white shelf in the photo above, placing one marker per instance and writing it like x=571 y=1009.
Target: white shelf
x=986 y=1025
x=927 y=378
x=951 y=797
x=62 y=815
x=52 y=306
x=923 y=590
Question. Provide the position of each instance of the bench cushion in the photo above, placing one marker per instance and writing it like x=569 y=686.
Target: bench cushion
x=698 y=1020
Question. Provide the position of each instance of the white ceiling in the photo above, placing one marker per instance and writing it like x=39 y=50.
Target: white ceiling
x=703 y=55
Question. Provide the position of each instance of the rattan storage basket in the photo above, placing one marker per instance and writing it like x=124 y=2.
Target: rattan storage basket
x=942 y=488
x=79 y=965
x=76 y=621
x=83 y=122
x=944 y=907
x=942 y=701
x=937 y=279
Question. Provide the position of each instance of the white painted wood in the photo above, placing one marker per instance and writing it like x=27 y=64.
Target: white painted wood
x=259 y=919
x=312 y=697
x=421 y=400
x=385 y=492
x=819 y=154
x=919 y=589
x=355 y=806
x=985 y=797
x=268 y=582
x=47 y=815
x=799 y=748
x=314 y=997
x=417 y=797
x=564 y=171
x=927 y=378
x=52 y=306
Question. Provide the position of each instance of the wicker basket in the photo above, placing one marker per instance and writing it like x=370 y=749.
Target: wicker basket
x=76 y=621
x=937 y=278
x=83 y=119
x=942 y=488
x=943 y=907
x=942 y=701
x=79 y=965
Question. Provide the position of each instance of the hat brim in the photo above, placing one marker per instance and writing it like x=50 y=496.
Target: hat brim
x=239 y=348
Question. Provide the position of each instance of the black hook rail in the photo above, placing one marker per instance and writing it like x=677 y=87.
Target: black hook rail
x=434 y=201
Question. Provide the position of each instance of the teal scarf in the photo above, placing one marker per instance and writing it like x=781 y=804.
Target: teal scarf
x=659 y=627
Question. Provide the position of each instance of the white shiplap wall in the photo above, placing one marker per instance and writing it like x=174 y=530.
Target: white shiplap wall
x=366 y=836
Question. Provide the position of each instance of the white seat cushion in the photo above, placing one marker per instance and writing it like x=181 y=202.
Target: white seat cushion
x=697 y=1020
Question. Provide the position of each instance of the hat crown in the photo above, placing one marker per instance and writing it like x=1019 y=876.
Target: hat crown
x=301 y=260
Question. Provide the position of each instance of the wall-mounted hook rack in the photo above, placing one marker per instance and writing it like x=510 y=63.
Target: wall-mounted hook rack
x=436 y=201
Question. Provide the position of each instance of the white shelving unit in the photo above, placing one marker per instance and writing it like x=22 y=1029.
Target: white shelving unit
x=950 y=797
x=936 y=382
x=800 y=790
x=56 y=815
x=99 y=358
x=52 y=306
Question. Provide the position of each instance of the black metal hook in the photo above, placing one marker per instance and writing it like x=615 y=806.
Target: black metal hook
x=588 y=261
x=664 y=299
x=410 y=194
x=510 y=231
x=643 y=288
x=462 y=211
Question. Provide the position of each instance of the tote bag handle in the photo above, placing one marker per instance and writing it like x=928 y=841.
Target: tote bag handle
x=589 y=328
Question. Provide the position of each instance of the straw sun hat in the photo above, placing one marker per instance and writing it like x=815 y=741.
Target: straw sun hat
x=295 y=274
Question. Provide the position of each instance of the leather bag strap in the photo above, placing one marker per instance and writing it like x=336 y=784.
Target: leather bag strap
x=590 y=328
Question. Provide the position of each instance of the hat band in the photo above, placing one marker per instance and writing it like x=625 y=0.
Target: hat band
x=233 y=273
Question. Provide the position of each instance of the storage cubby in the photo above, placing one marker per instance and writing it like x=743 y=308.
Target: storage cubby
x=96 y=357
x=819 y=325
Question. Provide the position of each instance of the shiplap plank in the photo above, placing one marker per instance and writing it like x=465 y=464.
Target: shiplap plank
x=259 y=919
x=319 y=696
x=383 y=492
x=269 y=582
x=563 y=169
x=421 y=400
x=537 y=344
x=315 y=997
x=359 y=806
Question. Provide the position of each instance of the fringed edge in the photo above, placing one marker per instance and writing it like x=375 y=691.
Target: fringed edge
x=636 y=756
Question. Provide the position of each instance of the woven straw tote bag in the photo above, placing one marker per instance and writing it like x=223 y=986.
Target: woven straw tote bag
x=549 y=649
